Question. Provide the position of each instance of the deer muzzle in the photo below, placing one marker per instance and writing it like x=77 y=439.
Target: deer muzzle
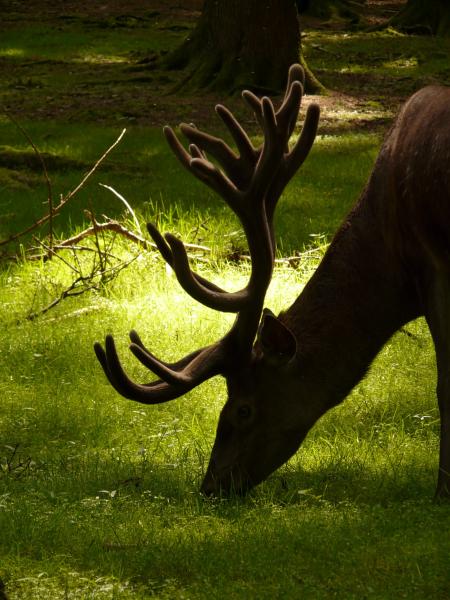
x=232 y=481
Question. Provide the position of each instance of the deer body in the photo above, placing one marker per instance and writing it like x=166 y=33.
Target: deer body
x=388 y=264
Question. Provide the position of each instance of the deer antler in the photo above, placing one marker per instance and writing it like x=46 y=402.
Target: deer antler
x=251 y=183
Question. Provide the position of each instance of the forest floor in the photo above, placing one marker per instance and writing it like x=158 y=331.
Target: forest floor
x=94 y=66
x=71 y=71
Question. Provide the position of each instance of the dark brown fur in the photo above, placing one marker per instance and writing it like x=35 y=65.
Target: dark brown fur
x=388 y=263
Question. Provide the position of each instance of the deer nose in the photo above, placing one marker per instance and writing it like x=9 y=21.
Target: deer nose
x=224 y=486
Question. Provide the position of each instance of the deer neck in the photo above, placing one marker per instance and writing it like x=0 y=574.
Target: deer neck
x=358 y=297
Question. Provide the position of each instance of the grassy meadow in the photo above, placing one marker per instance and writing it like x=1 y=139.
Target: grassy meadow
x=99 y=495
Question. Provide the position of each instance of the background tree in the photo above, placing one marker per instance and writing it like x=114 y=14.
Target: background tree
x=239 y=44
x=424 y=16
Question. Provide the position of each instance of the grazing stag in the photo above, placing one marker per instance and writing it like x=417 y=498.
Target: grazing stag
x=388 y=264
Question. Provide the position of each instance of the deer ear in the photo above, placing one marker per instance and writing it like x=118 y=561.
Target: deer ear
x=277 y=342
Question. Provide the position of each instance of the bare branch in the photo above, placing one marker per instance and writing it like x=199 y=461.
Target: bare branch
x=64 y=199
x=126 y=204
x=115 y=226
x=44 y=170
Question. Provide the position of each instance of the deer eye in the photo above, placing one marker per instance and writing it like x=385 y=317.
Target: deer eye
x=244 y=411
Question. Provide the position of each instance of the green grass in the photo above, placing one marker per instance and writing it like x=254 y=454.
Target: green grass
x=101 y=498
x=382 y=64
x=98 y=495
x=71 y=38
x=144 y=171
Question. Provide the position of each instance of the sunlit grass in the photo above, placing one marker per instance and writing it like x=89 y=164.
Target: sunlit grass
x=379 y=57
x=71 y=43
x=12 y=52
x=402 y=63
x=101 y=59
x=101 y=498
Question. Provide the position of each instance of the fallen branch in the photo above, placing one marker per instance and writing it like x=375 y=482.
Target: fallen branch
x=99 y=272
x=116 y=227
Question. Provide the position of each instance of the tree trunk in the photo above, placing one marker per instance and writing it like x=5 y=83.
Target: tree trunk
x=242 y=44
x=424 y=17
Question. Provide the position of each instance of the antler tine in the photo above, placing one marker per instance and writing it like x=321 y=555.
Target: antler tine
x=166 y=371
x=296 y=77
x=153 y=393
x=199 y=366
x=217 y=300
x=296 y=73
x=158 y=367
x=161 y=243
x=167 y=254
x=176 y=366
x=288 y=112
x=247 y=152
x=199 y=288
x=272 y=152
x=293 y=160
x=237 y=168
x=301 y=149
x=177 y=147
x=210 y=144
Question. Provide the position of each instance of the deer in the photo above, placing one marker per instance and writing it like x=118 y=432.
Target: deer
x=388 y=264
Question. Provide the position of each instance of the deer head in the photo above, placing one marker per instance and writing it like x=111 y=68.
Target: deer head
x=254 y=434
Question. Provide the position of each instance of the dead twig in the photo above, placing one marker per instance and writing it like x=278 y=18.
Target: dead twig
x=99 y=272
x=44 y=170
x=125 y=203
x=83 y=284
x=115 y=226
x=64 y=199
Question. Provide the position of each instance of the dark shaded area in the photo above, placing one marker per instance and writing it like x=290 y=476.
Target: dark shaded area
x=12 y=158
x=324 y=9
x=424 y=17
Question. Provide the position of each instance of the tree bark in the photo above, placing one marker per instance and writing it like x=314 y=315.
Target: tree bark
x=424 y=17
x=242 y=44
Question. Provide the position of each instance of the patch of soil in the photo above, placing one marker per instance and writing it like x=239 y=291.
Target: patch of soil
x=377 y=12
